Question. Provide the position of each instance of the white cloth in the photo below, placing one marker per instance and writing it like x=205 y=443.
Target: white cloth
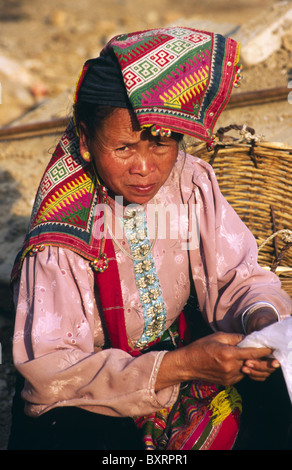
x=278 y=337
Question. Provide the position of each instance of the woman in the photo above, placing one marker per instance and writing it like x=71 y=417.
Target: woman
x=125 y=230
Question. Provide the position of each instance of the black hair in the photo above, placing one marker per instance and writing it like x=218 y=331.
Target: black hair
x=93 y=116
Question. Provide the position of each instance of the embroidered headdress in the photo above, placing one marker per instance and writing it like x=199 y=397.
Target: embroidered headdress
x=177 y=79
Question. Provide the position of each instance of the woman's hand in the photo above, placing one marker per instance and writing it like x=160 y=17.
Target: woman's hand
x=214 y=358
x=260 y=370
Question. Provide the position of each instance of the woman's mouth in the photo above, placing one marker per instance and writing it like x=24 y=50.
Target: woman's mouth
x=143 y=189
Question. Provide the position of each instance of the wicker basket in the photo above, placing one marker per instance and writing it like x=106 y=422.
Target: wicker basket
x=255 y=177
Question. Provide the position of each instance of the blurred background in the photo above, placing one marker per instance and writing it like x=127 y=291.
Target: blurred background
x=43 y=46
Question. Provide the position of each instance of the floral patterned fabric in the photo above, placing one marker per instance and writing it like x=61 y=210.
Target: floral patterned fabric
x=59 y=337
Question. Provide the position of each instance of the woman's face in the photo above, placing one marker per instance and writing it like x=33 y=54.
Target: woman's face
x=130 y=161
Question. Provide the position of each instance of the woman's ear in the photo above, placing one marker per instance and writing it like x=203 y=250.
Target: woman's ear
x=83 y=142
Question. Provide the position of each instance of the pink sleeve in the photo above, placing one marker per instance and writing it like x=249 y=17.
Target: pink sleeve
x=57 y=331
x=225 y=268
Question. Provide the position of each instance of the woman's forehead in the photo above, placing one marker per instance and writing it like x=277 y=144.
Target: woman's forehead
x=121 y=123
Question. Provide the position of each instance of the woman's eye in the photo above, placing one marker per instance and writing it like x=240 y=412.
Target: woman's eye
x=161 y=145
x=162 y=142
x=124 y=152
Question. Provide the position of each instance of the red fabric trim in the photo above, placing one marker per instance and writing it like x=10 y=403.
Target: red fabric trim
x=184 y=332
x=109 y=287
x=227 y=434
x=108 y=283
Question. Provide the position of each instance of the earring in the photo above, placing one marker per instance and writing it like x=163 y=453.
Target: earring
x=86 y=157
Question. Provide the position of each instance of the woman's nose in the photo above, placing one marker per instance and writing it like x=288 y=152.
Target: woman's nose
x=143 y=163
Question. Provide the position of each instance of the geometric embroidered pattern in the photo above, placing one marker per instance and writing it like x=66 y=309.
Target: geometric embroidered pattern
x=66 y=200
x=178 y=78
x=66 y=204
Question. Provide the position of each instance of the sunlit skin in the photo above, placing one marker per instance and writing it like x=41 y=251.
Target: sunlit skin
x=130 y=161
x=134 y=164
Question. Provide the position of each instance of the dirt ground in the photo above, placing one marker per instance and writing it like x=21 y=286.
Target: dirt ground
x=50 y=42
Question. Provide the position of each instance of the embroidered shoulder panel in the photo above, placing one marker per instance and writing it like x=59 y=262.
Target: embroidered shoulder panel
x=66 y=203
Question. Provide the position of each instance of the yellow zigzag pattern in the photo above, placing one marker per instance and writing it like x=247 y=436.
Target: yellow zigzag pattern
x=64 y=197
x=184 y=90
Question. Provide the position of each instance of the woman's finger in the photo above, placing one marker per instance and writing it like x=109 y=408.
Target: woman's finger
x=251 y=353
